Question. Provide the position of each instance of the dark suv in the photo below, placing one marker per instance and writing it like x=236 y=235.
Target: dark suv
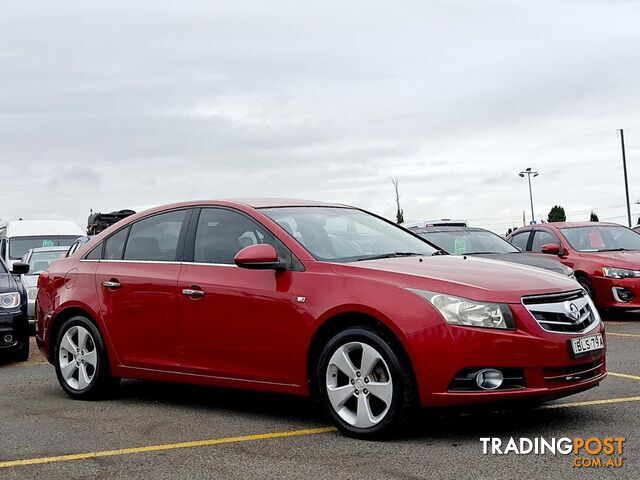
x=14 y=325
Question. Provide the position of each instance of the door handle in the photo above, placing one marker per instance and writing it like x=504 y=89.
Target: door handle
x=111 y=284
x=193 y=293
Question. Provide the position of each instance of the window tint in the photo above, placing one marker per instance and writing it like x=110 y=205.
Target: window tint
x=520 y=240
x=221 y=234
x=95 y=254
x=541 y=238
x=114 y=245
x=155 y=238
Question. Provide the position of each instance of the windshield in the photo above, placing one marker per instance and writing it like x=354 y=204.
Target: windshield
x=468 y=242
x=346 y=234
x=18 y=246
x=601 y=238
x=40 y=261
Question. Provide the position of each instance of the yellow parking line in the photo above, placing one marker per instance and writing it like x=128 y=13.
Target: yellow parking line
x=624 y=375
x=167 y=446
x=591 y=402
x=614 y=334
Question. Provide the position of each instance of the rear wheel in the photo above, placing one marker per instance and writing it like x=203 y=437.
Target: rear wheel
x=81 y=360
x=366 y=384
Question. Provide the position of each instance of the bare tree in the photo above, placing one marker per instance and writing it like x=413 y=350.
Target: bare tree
x=399 y=211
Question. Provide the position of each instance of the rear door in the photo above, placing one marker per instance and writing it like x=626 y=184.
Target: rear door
x=237 y=324
x=137 y=285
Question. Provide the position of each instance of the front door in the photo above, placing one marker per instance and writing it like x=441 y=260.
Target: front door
x=234 y=322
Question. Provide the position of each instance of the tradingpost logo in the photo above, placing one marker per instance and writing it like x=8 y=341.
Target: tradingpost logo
x=586 y=452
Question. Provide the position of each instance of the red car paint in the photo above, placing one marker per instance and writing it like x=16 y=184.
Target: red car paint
x=588 y=265
x=253 y=328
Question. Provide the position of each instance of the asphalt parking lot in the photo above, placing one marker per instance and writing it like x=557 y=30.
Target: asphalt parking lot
x=152 y=430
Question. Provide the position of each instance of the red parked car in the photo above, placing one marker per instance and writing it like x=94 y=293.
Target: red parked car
x=604 y=256
x=312 y=299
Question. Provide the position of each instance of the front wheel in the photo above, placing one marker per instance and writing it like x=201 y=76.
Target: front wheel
x=81 y=360
x=366 y=384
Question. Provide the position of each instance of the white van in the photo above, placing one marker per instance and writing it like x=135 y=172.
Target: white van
x=17 y=237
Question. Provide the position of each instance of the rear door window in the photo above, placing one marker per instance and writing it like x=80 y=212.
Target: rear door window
x=114 y=245
x=156 y=238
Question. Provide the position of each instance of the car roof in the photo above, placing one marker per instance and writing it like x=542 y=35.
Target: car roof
x=435 y=229
x=50 y=249
x=30 y=228
x=571 y=224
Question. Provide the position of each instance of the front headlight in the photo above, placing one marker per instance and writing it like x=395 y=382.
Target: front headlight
x=612 y=272
x=469 y=313
x=32 y=293
x=9 y=300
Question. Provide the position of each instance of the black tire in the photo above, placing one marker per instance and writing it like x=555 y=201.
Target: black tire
x=102 y=382
x=404 y=403
x=586 y=284
x=21 y=354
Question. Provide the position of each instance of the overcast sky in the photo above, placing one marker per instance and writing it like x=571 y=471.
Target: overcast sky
x=111 y=105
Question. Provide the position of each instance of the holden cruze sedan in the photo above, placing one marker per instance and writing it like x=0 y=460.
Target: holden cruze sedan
x=604 y=256
x=312 y=299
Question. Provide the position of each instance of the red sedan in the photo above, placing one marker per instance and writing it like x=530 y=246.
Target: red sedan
x=604 y=256
x=312 y=299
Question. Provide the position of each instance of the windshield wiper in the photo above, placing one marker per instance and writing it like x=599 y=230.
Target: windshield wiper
x=390 y=255
x=620 y=249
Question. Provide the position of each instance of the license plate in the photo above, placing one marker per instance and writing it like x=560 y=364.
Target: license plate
x=583 y=345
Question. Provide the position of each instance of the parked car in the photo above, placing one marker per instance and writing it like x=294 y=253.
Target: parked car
x=17 y=237
x=604 y=256
x=14 y=327
x=312 y=299
x=443 y=222
x=98 y=222
x=38 y=260
x=77 y=244
x=485 y=244
x=636 y=228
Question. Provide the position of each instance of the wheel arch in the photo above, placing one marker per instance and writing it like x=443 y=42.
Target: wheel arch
x=336 y=322
x=63 y=315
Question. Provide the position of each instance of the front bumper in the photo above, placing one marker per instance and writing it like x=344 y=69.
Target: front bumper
x=608 y=292
x=544 y=358
x=13 y=323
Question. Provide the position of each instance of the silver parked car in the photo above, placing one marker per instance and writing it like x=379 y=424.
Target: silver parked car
x=39 y=260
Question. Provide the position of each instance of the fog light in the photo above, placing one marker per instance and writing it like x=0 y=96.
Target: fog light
x=489 y=379
x=623 y=294
x=8 y=338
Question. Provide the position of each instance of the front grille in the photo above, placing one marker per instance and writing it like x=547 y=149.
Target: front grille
x=558 y=376
x=569 y=312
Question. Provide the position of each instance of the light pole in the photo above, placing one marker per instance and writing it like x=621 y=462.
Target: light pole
x=626 y=183
x=528 y=172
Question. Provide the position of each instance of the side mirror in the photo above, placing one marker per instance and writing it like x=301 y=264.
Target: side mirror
x=20 y=268
x=551 y=249
x=258 y=257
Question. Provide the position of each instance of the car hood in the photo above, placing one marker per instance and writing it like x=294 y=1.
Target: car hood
x=7 y=283
x=531 y=259
x=629 y=259
x=30 y=280
x=475 y=278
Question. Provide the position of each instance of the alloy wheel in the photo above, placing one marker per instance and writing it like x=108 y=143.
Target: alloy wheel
x=359 y=384
x=78 y=357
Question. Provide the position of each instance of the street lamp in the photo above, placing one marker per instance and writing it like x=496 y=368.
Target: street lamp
x=528 y=172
